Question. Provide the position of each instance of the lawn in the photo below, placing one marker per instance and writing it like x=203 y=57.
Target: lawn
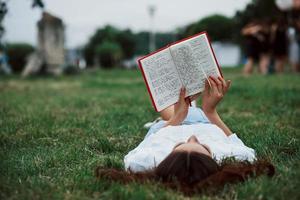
x=55 y=131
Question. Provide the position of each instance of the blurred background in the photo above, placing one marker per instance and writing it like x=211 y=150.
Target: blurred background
x=55 y=37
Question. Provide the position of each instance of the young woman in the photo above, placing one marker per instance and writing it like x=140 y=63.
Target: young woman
x=185 y=150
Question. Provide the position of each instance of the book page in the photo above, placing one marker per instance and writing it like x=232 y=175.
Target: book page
x=194 y=61
x=162 y=78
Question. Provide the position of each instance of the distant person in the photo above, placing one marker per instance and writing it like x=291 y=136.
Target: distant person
x=294 y=54
x=279 y=44
x=292 y=24
x=257 y=46
x=295 y=23
x=185 y=150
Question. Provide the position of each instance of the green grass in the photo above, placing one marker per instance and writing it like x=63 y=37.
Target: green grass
x=55 y=131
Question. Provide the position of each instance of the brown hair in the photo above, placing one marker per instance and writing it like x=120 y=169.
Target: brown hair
x=191 y=172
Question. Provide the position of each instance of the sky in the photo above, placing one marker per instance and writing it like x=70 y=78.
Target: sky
x=83 y=17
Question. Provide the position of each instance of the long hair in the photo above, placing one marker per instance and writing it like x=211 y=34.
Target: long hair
x=191 y=172
x=186 y=167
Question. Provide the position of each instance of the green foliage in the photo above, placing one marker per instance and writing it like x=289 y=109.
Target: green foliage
x=17 y=55
x=112 y=40
x=130 y=43
x=126 y=41
x=219 y=27
x=55 y=131
x=4 y=10
x=108 y=53
x=161 y=40
x=38 y=3
x=142 y=43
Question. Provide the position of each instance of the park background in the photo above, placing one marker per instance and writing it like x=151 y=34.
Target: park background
x=55 y=129
x=114 y=34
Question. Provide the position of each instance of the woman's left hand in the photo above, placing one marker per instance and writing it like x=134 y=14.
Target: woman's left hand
x=214 y=93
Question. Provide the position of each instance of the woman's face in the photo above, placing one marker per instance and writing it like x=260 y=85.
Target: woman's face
x=193 y=145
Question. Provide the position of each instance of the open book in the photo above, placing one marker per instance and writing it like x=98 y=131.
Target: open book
x=186 y=63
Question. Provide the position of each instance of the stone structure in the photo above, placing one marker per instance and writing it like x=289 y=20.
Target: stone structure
x=50 y=54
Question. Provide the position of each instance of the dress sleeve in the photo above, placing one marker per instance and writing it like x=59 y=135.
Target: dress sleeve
x=240 y=151
x=141 y=160
x=235 y=139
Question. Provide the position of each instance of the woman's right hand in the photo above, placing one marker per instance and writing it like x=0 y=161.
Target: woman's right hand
x=181 y=109
x=214 y=93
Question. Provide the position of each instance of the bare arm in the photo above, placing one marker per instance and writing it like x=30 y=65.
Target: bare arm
x=211 y=97
x=216 y=119
x=168 y=113
x=180 y=110
x=251 y=30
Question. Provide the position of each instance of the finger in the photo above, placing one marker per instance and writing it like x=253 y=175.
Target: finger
x=187 y=101
x=207 y=86
x=223 y=83
x=228 y=84
x=218 y=84
x=213 y=84
x=214 y=88
x=182 y=94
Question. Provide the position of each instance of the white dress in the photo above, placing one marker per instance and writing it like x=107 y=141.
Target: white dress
x=160 y=141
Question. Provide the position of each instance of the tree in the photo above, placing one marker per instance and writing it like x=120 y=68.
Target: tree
x=126 y=40
x=18 y=53
x=219 y=27
x=107 y=39
x=4 y=10
x=142 y=41
x=37 y=3
x=108 y=53
x=107 y=33
x=163 y=39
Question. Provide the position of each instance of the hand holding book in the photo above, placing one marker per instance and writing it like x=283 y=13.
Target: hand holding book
x=214 y=92
x=212 y=95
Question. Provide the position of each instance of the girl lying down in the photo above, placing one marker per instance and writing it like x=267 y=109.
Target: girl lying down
x=186 y=149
